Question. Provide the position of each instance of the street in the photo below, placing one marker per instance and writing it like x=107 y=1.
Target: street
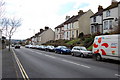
x=33 y=63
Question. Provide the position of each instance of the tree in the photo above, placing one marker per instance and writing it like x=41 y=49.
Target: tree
x=2 y=10
x=10 y=26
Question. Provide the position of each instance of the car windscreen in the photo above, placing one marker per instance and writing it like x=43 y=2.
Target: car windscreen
x=84 y=49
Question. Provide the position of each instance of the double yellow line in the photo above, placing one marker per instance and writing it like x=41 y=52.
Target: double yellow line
x=24 y=74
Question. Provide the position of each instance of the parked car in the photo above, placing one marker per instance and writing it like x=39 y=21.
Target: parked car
x=42 y=47
x=50 y=48
x=81 y=51
x=12 y=45
x=37 y=46
x=17 y=46
x=33 y=46
x=28 y=46
x=62 y=49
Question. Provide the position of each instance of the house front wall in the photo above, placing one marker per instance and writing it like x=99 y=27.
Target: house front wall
x=98 y=19
x=109 y=22
x=67 y=31
x=57 y=35
x=96 y=25
x=85 y=22
x=75 y=30
x=46 y=36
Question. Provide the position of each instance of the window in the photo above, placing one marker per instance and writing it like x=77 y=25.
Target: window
x=40 y=38
x=67 y=34
x=107 y=13
x=92 y=31
x=105 y=25
x=94 y=19
x=76 y=33
x=57 y=29
x=110 y=24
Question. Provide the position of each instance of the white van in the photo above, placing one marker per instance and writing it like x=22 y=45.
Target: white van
x=106 y=46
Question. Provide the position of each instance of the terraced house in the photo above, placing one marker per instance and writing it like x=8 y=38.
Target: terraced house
x=96 y=21
x=77 y=24
x=46 y=35
x=110 y=17
x=59 y=32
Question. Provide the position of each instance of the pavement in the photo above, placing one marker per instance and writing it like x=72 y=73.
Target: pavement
x=9 y=68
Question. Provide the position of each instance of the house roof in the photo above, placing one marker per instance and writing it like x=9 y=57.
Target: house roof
x=59 y=26
x=113 y=5
x=69 y=20
x=97 y=13
x=73 y=18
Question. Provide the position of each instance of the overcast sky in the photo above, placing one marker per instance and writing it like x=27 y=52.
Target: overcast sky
x=36 y=14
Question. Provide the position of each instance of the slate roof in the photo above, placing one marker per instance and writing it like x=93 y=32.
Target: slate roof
x=97 y=13
x=59 y=26
x=73 y=18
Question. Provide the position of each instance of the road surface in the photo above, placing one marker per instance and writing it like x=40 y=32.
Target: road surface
x=34 y=63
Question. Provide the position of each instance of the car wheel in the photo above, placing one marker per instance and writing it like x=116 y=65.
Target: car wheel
x=55 y=51
x=82 y=55
x=72 y=54
x=61 y=52
x=98 y=57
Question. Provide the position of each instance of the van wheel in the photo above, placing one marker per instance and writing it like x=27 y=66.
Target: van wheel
x=82 y=55
x=98 y=57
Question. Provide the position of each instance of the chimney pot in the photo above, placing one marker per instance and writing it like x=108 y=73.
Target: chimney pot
x=67 y=17
x=80 y=12
x=46 y=28
x=100 y=8
x=41 y=30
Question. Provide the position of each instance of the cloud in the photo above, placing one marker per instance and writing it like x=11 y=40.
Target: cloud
x=39 y=13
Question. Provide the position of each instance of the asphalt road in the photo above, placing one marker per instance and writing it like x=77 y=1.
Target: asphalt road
x=41 y=64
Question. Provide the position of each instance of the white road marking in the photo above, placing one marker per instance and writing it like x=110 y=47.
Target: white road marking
x=38 y=52
x=22 y=70
x=75 y=63
x=50 y=56
x=117 y=75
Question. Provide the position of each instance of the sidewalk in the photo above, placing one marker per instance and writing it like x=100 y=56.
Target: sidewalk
x=8 y=65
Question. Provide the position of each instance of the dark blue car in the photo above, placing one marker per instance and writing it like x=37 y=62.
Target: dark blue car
x=62 y=49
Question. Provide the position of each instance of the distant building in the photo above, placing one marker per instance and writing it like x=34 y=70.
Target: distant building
x=47 y=35
x=96 y=21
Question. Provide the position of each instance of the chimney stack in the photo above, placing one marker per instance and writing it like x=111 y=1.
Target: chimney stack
x=80 y=12
x=67 y=17
x=114 y=2
x=46 y=28
x=41 y=30
x=100 y=8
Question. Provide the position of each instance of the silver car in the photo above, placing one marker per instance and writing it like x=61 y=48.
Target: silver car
x=81 y=51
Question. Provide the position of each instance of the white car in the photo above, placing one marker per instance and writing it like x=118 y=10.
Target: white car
x=28 y=46
x=81 y=51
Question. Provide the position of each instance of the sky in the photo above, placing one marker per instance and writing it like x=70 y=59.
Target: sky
x=36 y=14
